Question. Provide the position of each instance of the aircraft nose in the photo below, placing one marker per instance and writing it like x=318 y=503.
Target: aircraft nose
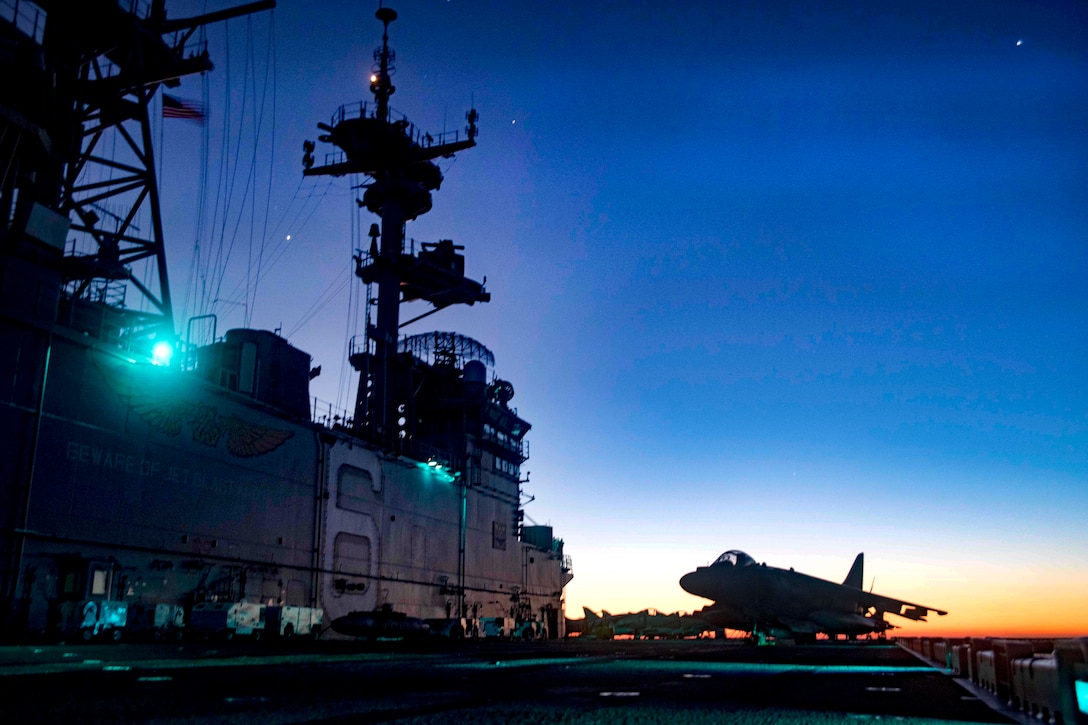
x=691 y=583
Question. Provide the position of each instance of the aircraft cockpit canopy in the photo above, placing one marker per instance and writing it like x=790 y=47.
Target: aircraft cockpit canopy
x=734 y=557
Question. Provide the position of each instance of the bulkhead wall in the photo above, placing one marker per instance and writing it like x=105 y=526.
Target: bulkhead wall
x=392 y=536
x=158 y=471
x=186 y=492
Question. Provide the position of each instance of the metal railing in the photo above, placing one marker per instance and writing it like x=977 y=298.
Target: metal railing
x=326 y=414
x=506 y=442
x=367 y=109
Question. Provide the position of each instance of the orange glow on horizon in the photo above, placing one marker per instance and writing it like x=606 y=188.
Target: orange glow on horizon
x=1053 y=611
x=1065 y=621
x=1008 y=629
x=999 y=597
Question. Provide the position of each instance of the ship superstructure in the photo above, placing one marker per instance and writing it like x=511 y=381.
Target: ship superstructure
x=155 y=489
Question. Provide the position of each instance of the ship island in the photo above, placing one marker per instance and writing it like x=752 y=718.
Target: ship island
x=162 y=479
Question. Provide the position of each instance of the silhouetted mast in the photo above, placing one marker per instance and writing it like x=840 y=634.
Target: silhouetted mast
x=399 y=159
x=380 y=83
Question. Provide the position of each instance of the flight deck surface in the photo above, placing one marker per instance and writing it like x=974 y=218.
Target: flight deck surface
x=689 y=681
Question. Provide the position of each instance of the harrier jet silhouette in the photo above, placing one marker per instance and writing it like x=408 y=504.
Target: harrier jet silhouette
x=785 y=604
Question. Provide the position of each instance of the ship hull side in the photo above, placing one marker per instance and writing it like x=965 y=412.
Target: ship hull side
x=181 y=491
x=152 y=486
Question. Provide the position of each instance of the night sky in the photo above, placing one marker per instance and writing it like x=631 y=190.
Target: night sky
x=802 y=279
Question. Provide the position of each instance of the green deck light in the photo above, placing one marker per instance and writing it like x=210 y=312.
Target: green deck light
x=441 y=471
x=162 y=352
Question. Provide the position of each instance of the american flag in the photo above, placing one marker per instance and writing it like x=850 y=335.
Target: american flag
x=176 y=108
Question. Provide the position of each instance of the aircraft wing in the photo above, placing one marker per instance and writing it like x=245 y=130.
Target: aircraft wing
x=909 y=610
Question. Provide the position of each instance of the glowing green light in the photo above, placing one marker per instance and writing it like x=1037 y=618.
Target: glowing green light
x=1081 y=688
x=438 y=471
x=162 y=352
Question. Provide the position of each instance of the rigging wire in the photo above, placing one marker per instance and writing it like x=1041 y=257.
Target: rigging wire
x=341 y=280
x=232 y=186
x=218 y=233
x=200 y=278
x=219 y=186
x=269 y=77
x=241 y=184
x=251 y=177
x=328 y=295
x=352 y=318
x=234 y=182
x=205 y=217
x=267 y=255
x=282 y=244
x=193 y=299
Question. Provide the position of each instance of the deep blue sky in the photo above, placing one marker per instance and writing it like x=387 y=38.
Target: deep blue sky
x=802 y=279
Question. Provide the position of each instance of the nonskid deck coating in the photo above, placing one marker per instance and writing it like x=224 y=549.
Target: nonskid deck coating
x=566 y=682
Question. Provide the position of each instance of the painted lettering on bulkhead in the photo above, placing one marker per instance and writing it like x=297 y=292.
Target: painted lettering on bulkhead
x=87 y=454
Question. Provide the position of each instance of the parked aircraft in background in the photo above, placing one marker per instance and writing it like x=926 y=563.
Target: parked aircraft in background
x=648 y=623
x=785 y=604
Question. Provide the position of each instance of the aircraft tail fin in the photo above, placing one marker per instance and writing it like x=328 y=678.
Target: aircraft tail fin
x=855 y=577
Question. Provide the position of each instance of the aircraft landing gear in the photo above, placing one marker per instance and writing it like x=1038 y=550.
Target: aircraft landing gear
x=758 y=638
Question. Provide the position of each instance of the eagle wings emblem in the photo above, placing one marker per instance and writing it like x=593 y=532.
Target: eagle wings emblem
x=169 y=414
